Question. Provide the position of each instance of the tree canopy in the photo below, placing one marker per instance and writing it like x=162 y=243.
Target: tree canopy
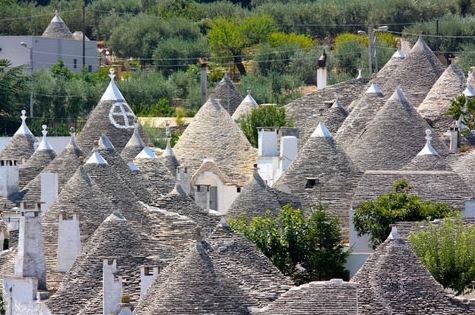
x=374 y=217
x=307 y=249
x=448 y=252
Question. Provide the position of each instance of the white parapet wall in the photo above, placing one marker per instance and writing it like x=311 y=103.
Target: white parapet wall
x=111 y=287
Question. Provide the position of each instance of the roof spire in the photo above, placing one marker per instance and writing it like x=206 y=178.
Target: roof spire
x=394 y=235
x=44 y=144
x=23 y=130
x=96 y=158
x=374 y=89
x=469 y=91
x=428 y=148
x=112 y=92
x=336 y=103
x=321 y=132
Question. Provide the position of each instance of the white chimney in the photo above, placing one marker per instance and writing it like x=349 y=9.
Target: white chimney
x=148 y=274
x=111 y=287
x=267 y=142
x=69 y=242
x=288 y=151
x=30 y=260
x=454 y=140
x=9 y=178
x=49 y=190
x=322 y=73
x=19 y=295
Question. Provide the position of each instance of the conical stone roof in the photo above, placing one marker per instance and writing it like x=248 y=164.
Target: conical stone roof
x=133 y=147
x=115 y=237
x=416 y=74
x=112 y=117
x=244 y=109
x=334 y=116
x=21 y=146
x=393 y=137
x=168 y=158
x=213 y=134
x=393 y=281
x=80 y=196
x=157 y=176
x=195 y=285
x=65 y=164
x=256 y=198
x=427 y=159
x=322 y=172
x=135 y=182
x=437 y=102
x=306 y=112
x=462 y=164
x=363 y=112
x=43 y=155
x=57 y=29
x=227 y=94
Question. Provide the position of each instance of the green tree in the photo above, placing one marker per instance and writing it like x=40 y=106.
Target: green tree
x=464 y=106
x=448 y=252
x=307 y=249
x=375 y=217
x=263 y=116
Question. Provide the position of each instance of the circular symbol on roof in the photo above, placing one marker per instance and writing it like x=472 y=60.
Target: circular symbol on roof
x=121 y=116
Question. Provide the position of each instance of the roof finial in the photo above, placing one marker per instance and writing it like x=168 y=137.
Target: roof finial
x=248 y=91
x=428 y=149
x=23 y=116
x=360 y=73
x=44 y=132
x=394 y=235
x=72 y=131
x=469 y=91
x=112 y=73
x=56 y=12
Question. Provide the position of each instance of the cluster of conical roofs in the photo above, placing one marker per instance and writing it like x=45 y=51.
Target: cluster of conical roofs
x=126 y=230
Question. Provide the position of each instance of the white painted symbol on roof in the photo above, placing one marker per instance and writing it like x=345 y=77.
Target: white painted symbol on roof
x=121 y=109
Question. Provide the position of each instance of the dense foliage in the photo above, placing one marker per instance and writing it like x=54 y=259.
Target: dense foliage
x=263 y=116
x=374 y=217
x=447 y=250
x=307 y=249
x=465 y=107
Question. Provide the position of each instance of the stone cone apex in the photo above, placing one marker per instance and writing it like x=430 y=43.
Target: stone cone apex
x=168 y=150
x=321 y=131
x=245 y=108
x=96 y=158
x=374 y=89
x=399 y=53
x=23 y=130
x=134 y=146
x=394 y=235
x=57 y=28
x=469 y=90
x=146 y=153
x=420 y=45
x=44 y=144
x=105 y=143
x=228 y=94
x=112 y=93
x=393 y=136
x=115 y=216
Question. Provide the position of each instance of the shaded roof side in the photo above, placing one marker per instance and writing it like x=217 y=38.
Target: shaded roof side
x=171 y=162
x=241 y=261
x=307 y=110
x=19 y=148
x=35 y=164
x=213 y=134
x=133 y=147
x=394 y=136
x=65 y=164
x=439 y=186
x=437 y=102
x=159 y=180
x=317 y=297
x=135 y=182
x=57 y=29
x=115 y=237
x=194 y=285
x=227 y=94
x=184 y=205
x=335 y=176
x=256 y=198
x=462 y=164
x=393 y=281
x=80 y=196
x=334 y=117
x=416 y=74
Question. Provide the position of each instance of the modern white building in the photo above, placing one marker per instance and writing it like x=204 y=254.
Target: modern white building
x=56 y=43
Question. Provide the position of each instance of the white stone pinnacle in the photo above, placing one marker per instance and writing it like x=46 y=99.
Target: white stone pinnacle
x=23 y=130
x=394 y=235
x=44 y=144
x=428 y=149
x=112 y=92
x=96 y=158
x=146 y=153
x=374 y=89
x=321 y=132
x=399 y=53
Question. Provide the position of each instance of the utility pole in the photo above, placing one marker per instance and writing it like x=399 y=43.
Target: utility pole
x=84 y=34
x=370 y=50
x=203 y=80
x=375 y=40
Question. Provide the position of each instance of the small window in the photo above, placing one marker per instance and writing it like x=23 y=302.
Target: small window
x=198 y=188
x=311 y=182
x=89 y=68
x=75 y=63
x=238 y=189
x=2 y=163
x=148 y=271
